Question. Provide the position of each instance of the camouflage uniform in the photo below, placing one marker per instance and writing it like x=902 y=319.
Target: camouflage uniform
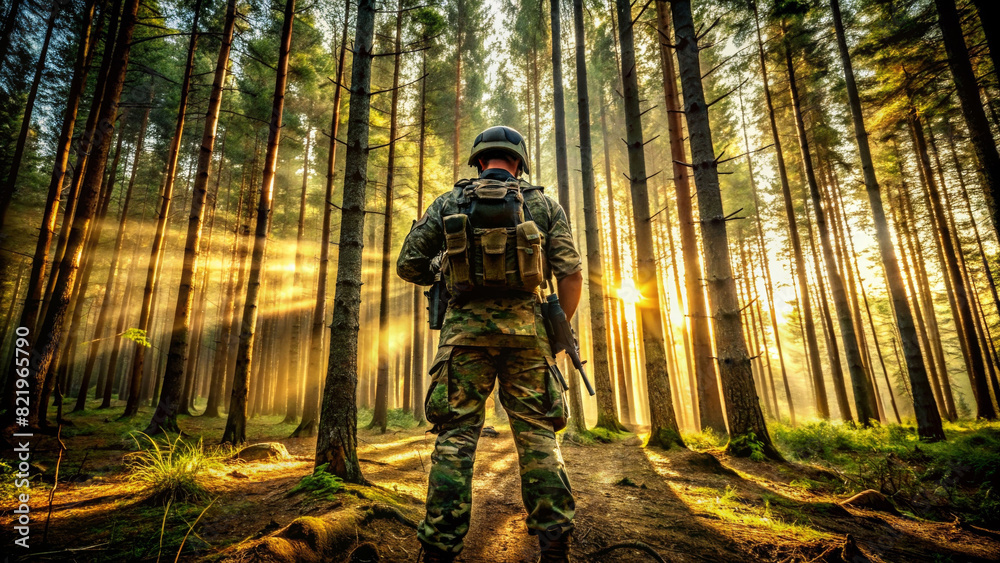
x=489 y=335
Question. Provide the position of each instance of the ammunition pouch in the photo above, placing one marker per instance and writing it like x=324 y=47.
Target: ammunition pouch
x=529 y=254
x=488 y=244
x=456 y=238
x=494 y=245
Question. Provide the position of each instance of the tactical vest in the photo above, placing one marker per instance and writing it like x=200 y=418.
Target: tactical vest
x=489 y=244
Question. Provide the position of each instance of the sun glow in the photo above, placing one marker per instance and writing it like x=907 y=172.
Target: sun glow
x=628 y=292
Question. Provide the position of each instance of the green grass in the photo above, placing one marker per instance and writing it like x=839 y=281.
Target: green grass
x=172 y=471
x=320 y=484
x=395 y=418
x=961 y=474
x=730 y=507
x=706 y=440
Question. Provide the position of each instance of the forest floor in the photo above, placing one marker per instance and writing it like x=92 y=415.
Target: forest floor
x=687 y=505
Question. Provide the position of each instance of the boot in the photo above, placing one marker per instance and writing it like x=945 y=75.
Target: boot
x=435 y=555
x=554 y=548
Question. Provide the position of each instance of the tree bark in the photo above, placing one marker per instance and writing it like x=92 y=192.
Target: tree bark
x=10 y=20
x=559 y=108
x=607 y=417
x=766 y=267
x=812 y=344
x=977 y=368
x=379 y=419
x=10 y=184
x=459 y=46
x=235 y=432
x=923 y=301
x=336 y=447
x=623 y=363
x=855 y=364
x=84 y=57
x=418 y=317
x=51 y=332
x=106 y=307
x=967 y=87
x=156 y=250
x=310 y=408
x=663 y=422
x=709 y=399
x=165 y=416
x=746 y=421
x=35 y=308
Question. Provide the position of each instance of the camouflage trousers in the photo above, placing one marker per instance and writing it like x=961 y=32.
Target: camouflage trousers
x=462 y=378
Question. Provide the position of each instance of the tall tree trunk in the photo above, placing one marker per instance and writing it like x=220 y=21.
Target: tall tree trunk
x=663 y=430
x=833 y=348
x=310 y=408
x=829 y=190
x=106 y=307
x=746 y=421
x=459 y=47
x=379 y=418
x=812 y=344
x=855 y=365
x=227 y=313
x=980 y=333
x=986 y=17
x=12 y=18
x=337 y=445
x=991 y=281
x=977 y=368
x=622 y=362
x=292 y=382
x=923 y=303
x=745 y=273
x=156 y=250
x=418 y=316
x=116 y=344
x=559 y=109
x=35 y=308
x=607 y=417
x=709 y=399
x=51 y=332
x=10 y=183
x=766 y=267
x=235 y=432
x=692 y=384
x=85 y=54
x=536 y=86
x=967 y=88
x=165 y=416
x=77 y=323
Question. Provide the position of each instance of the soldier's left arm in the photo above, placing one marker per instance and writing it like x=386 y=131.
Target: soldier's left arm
x=424 y=241
x=564 y=259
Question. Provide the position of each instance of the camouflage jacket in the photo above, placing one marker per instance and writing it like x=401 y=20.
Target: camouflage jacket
x=490 y=318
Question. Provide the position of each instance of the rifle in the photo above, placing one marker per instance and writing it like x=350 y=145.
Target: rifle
x=437 y=299
x=562 y=339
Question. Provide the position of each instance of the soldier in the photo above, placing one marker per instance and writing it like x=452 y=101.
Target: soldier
x=497 y=241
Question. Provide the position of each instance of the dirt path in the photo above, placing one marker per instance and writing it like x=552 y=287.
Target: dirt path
x=686 y=505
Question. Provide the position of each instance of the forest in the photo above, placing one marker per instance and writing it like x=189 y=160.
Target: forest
x=787 y=212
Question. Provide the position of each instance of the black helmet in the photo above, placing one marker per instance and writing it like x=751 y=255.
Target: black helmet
x=500 y=138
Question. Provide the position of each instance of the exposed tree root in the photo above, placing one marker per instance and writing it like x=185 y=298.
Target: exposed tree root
x=637 y=545
x=385 y=511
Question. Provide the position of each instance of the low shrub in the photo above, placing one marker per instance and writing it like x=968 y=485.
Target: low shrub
x=320 y=483
x=173 y=471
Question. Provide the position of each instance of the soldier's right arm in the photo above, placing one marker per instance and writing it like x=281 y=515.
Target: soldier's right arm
x=424 y=241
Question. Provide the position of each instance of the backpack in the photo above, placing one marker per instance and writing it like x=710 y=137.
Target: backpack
x=488 y=243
